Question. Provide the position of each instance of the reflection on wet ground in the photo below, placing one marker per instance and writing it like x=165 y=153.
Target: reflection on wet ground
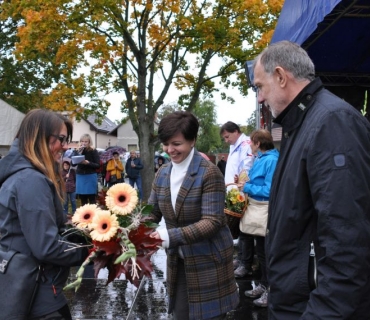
x=121 y=300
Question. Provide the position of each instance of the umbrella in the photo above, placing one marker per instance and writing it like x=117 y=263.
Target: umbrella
x=119 y=149
x=165 y=155
x=108 y=153
x=204 y=155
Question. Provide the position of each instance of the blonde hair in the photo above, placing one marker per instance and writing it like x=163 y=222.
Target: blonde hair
x=87 y=136
x=33 y=139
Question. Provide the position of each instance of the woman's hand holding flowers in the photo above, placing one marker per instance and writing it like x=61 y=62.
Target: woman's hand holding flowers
x=118 y=234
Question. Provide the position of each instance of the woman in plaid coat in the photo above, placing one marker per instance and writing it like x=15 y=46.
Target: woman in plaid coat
x=189 y=193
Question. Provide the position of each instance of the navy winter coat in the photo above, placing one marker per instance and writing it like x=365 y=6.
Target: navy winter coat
x=133 y=173
x=321 y=195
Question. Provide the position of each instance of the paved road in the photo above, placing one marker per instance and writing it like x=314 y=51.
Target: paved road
x=122 y=301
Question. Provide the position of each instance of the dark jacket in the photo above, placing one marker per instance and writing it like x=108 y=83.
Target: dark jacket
x=199 y=228
x=157 y=165
x=92 y=156
x=222 y=166
x=133 y=173
x=320 y=195
x=71 y=180
x=31 y=222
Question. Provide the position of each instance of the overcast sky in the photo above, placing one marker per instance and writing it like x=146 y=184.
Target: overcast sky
x=238 y=112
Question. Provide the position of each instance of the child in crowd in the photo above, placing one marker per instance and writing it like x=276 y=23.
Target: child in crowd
x=69 y=176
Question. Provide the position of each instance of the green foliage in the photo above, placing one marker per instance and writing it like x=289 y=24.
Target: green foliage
x=209 y=139
x=251 y=125
x=20 y=84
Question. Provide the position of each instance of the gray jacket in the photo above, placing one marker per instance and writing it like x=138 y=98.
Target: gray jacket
x=31 y=222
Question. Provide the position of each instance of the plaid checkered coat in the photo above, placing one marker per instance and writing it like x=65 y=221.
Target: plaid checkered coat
x=199 y=227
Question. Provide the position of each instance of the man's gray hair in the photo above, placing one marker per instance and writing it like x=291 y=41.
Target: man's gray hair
x=288 y=55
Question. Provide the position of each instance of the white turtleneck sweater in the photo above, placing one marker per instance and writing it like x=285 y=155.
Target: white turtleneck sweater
x=178 y=173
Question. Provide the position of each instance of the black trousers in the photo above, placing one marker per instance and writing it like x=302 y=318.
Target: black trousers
x=246 y=250
x=87 y=198
x=260 y=250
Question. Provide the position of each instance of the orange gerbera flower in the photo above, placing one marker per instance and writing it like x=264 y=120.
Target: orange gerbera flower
x=104 y=226
x=240 y=197
x=84 y=215
x=121 y=198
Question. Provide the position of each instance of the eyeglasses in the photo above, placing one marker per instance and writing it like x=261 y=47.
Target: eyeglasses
x=62 y=139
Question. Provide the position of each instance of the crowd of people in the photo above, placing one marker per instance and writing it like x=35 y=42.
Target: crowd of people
x=314 y=255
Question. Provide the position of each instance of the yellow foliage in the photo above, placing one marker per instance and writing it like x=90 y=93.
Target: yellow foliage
x=264 y=40
x=275 y=5
x=119 y=48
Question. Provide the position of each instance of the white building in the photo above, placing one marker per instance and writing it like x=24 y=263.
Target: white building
x=103 y=135
x=126 y=136
x=10 y=120
x=100 y=133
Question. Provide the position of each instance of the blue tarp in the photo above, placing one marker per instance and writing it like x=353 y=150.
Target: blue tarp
x=299 y=19
x=335 y=33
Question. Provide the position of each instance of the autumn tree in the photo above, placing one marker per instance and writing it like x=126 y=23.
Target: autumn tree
x=139 y=48
x=209 y=139
x=20 y=85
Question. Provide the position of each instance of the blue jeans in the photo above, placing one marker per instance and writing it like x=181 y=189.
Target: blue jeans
x=138 y=185
x=70 y=197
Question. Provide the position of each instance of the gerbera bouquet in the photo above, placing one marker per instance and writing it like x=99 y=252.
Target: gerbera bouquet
x=117 y=234
x=235 y=200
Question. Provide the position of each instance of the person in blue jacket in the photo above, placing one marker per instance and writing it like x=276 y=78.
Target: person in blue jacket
x=258 y=188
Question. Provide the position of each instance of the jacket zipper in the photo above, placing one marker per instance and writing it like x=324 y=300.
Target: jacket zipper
x=53 y=281
x=313 y=259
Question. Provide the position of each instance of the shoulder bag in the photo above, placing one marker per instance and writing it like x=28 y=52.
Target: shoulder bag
x=254 y=219
x=20 y=276
x=107 y=176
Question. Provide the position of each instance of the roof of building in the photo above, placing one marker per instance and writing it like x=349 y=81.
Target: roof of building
x=106 y=125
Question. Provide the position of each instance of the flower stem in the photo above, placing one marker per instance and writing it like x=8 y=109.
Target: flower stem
x=76 y=284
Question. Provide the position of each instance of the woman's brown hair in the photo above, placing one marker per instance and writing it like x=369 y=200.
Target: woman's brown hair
x=264 y=137
x=34 y=134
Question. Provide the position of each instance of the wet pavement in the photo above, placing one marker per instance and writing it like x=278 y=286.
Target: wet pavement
x=121 y=300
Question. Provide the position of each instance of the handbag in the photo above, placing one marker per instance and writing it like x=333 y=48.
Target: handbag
x=107 y=176
x=113 y=178
x=254 y=220
x=20 y=276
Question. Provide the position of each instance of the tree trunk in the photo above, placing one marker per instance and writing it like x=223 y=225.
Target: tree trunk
x=147 y=158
